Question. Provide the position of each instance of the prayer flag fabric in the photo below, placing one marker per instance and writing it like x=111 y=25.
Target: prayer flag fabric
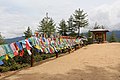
x=2 y=51
x=15 y=51
x=29 y=52
x=11 y=55
x=1 y=62
x=27 y=46
x=8 y=50
x=27 y=42
x=23 y=43
x=6 y=57
x=21 y=53
x=19 y=45
x=2 y=57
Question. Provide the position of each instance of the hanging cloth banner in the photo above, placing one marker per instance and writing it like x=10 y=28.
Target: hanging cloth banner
x=43 y=39
x=11 y=55
x=52 y=49
x=37 y=41
x=16 y=47
x=19 y=45
x=6 y=57
x=23 y=43
x=15 y=51
x=8 y=50
x=2 y=51
x=29 y=52
x=39 y=48
x=21 y=53
x=27 y=46
x=32 y=39
x=1 y=62
x=2 y=57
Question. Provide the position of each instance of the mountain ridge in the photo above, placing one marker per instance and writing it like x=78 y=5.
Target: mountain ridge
x=117 y=35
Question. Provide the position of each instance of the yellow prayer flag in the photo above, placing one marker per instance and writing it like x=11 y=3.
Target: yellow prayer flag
x=6 y=57
x=38 y=47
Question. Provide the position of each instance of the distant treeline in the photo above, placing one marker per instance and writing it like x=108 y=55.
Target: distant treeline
x=116 y=33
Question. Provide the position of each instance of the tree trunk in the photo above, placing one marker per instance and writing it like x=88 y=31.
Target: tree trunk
x=78 y=31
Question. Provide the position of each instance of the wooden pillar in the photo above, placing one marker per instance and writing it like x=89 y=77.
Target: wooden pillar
x=105 y=36
x=94 y=36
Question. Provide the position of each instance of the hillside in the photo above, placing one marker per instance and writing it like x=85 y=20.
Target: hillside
x=10 y=40
x=117 y=35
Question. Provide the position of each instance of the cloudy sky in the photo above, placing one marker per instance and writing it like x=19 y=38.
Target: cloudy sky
x=17 y=15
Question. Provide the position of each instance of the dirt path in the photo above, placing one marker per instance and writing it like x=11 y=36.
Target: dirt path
x=94 y=62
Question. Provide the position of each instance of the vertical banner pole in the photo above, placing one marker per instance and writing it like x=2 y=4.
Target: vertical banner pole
x=32 y=60
x=56 y=54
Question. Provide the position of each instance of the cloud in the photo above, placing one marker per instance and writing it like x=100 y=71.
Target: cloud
x=17 y=15
x=107 y=14
x=14 y=24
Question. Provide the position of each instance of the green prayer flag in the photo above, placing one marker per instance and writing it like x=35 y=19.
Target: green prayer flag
x=2 y=57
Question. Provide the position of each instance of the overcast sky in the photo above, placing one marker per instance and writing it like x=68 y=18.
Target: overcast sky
x=17 y=15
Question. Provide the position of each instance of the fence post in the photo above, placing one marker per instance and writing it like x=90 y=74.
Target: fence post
x=56 y=54
x=75 y=47
x=69 y=49
x=32 y=58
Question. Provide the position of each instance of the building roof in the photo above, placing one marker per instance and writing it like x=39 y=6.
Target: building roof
x=99 y=30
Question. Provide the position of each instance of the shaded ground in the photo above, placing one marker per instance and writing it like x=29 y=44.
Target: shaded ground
x=94 y=62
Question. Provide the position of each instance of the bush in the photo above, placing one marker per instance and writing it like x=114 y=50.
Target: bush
x=9 y=62
x=15 y=67
x=53 y=55
x=44 y=56
x=19 y=62
x=4 y=69
x=24 y=65
x=48 y=55
x=18 y=66
x=37 y=58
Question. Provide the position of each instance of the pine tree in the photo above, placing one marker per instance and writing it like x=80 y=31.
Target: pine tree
x=103 y=27
x=99 y=26
x=90 y=39
x=28 y=33
x=80 y=19
x=112 y=38
x=2 y=41
x=63 y=29
x=71 y=27
x=96 y=26
x=51 y=26
x=47 y=25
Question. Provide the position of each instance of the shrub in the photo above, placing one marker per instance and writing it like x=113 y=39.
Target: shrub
x=44 y=56
x=24 y=65
x=19 y=62
x=53 y=55
x=37 y=58
x=15 y=67
x=4 y=69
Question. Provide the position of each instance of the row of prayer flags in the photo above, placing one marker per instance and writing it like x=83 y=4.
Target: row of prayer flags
x=49 y=45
